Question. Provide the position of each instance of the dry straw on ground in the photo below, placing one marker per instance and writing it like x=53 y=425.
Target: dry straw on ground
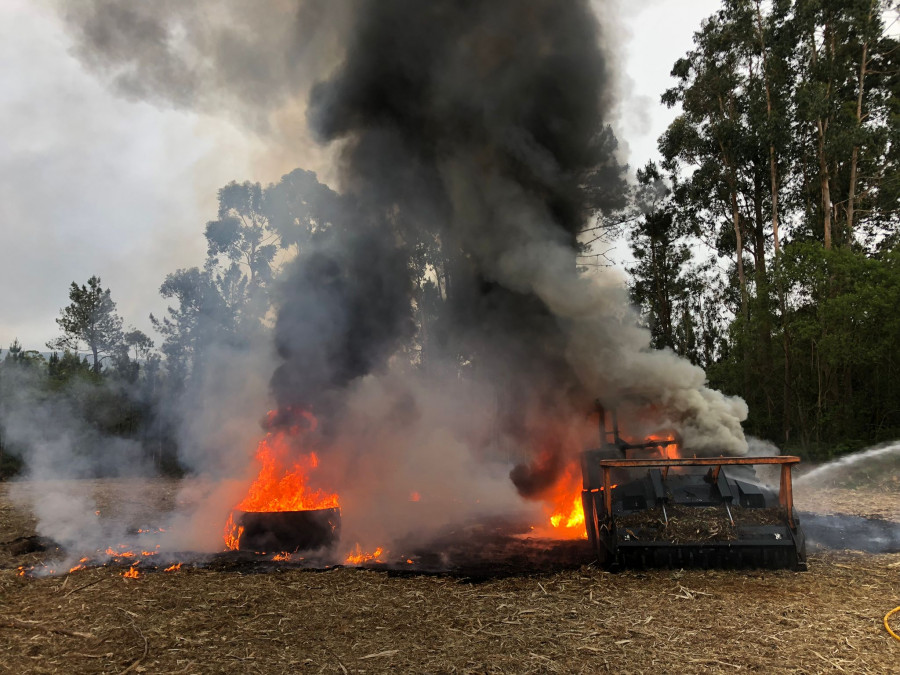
x=349 y=620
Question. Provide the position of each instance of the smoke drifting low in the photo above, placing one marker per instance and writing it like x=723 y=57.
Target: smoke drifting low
x=61 y=450
x=473 y=147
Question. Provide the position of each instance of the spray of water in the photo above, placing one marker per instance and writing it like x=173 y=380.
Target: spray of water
x=830 y=526
x=869 y=460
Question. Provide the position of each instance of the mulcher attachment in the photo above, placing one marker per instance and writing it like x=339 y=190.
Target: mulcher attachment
x=663 y=512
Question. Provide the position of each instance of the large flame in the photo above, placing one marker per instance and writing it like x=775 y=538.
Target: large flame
x=283 y=480
x=564 y=505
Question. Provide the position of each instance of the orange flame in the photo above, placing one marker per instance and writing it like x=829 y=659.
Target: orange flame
x=566 y=507
x=173 y=568
x=282 y=483
x=232 y=533
x=81 y=564
x=358 y=556
x=569 y=517
x=283 y=480
x=669 y=451
x=132 y=573
x=563 y=505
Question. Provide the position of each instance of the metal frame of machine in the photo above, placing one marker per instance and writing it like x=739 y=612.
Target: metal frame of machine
x=761 y=526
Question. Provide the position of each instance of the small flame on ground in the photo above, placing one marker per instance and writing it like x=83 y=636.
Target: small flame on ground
x=132 y=572
x=233 y=533
x=113 y=553
x=414 y=497
x=173 y=568
x=283 y=556
x=358 y=556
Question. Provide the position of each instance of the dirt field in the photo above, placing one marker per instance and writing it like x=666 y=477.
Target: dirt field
x=351 y=620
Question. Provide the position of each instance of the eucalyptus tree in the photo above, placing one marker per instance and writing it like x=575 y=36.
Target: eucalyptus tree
x=846 y=100
x=661 y=280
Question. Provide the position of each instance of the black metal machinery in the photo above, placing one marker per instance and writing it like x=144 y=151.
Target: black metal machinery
x=645 y=509
x=291 y=531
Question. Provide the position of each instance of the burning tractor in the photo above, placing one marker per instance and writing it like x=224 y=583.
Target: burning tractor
x=645 y=507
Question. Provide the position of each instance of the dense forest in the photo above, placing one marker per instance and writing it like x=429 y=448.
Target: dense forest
x=766 y=251
x=763 y=247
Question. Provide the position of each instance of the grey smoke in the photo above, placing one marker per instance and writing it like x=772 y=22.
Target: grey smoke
x=481 y=126
x=234 y=58
x=475 y=131
x=61 y=450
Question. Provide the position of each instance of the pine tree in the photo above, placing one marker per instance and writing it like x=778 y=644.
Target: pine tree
x=90 y=319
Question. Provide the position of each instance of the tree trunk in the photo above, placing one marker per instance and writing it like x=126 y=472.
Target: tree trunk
x=854 y=157
x=825 y=184
x=776 y=238
x=759 y=234
x=742 y=279
x=773 y=164
x=736 y=223
x=762 y=296
x=822 y=130
x=786 y=392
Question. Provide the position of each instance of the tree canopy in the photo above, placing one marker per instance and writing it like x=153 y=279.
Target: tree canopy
x=90 y=319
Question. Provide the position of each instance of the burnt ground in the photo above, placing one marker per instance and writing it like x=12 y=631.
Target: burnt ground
x=559 y=614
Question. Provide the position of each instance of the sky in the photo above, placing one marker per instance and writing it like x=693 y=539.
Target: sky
x=91 y=183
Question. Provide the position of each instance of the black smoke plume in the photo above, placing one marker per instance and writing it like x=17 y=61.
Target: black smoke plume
x=476 y=129
x=473 y=146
